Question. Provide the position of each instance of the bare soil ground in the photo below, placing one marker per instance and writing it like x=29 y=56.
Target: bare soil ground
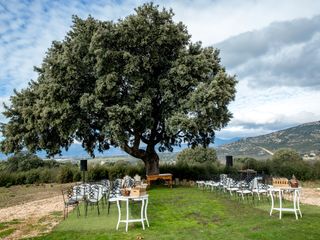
x=36 y=217
x=310 y=196
x=29 y=211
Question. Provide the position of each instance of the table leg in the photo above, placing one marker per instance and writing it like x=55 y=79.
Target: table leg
x=145 y=211
x=119 y=214
x=298 y=202
x=127 y=222
x=295 y=204
x=272 y=202
x=141 y=213
x=280 y=200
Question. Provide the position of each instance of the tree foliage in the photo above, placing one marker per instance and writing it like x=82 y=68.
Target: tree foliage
x=197 y=155
x=23 y=161
x=137 y=80
x=286 y=155
x=286 y=162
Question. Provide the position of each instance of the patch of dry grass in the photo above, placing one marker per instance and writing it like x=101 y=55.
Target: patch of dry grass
x=16 y=195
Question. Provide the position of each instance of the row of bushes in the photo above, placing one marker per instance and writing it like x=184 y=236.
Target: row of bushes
x=71 y=173
x=60 y=174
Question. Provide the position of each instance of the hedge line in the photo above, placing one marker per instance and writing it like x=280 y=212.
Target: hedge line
x=71 y=173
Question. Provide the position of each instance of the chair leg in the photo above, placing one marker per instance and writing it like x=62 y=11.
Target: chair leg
x=64 y=212
x=78 y=210
x=67 y=211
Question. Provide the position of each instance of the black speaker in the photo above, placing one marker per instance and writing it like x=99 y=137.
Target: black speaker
x=229 y=161
x=83 y=165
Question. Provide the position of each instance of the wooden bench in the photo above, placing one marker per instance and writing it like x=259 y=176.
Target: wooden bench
x=167 y=177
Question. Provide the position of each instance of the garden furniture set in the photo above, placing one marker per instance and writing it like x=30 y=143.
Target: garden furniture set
x=252 y=187
x=107 y=192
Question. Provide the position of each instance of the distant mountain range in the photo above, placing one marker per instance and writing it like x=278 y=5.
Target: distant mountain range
x=303 y=138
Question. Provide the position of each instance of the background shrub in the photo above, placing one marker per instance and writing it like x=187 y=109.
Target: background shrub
x=65 y=174
x=23 y=161
x=197 y=155
x=33 y=176
x=97 y=172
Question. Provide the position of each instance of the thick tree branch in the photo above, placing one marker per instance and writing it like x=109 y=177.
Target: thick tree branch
x=135 y=152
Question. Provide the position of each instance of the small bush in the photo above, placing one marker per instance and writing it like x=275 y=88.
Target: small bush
x=77 y=176
x=65 y=174
x=97 y=172
x=33 y=176
x=6 y=179
x=47 y=175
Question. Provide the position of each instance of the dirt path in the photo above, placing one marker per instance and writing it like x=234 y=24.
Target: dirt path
x=310 y=196
x=33 y=218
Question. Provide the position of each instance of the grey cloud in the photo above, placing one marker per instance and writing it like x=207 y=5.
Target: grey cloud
x=266 y=127
x=284 y=54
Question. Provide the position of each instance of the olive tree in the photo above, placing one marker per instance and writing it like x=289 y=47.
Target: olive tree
x=139 y=84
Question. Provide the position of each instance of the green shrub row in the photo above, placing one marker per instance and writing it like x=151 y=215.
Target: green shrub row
x=71 y=173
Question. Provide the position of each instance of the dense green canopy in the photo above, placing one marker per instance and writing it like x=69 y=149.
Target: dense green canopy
x=138 y=83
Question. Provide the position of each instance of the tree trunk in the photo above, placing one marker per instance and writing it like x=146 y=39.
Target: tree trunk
x=152 y=164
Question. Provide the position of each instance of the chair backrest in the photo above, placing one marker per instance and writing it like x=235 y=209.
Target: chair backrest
x=78 y=192
x=127 y=182
x=106 y=183
x=115 y=188
x=255 y=183
x=66 y=194
x=137 y=178
x=95 y=193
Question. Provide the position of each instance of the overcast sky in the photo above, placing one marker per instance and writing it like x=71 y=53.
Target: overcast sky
x=272 y=46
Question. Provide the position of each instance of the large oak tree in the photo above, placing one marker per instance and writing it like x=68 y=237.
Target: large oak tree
x=138 y=84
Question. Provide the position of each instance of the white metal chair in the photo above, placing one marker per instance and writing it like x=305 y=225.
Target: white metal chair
x=245 y=189
x=259 y=188
x=69 y=201
x=114 y=192
x=93 y=197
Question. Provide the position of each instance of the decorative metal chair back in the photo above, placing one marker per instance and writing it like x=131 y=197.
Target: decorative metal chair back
x=128 y=182
x=106 y=183
x=255 y=183
x=67 y=194
x=115 y=188
x=78 y=192
x=94 y=194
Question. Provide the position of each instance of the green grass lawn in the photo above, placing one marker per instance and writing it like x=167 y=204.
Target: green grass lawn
x=190 y=213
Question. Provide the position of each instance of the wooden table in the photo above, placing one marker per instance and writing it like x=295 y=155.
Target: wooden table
x=167 y=177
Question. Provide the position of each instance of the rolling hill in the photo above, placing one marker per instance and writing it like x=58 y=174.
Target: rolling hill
x=303 y=138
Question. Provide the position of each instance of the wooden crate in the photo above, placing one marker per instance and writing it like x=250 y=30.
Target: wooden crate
x=280 y=182
x=138 y=191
